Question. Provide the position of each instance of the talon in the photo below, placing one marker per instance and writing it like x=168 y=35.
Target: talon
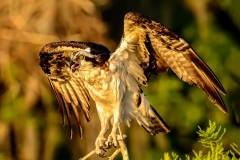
x=115 y=144
x=112 y=140
x=102 y=148
x=102 y=155
x=108 y=145
x=100 y=145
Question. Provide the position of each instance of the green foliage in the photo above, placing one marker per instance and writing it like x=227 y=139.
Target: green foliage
x=211 y=138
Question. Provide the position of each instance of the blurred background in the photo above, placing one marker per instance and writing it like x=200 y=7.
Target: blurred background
x=30 y=121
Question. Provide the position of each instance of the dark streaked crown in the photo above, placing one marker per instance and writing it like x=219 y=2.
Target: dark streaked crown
x=95 y=48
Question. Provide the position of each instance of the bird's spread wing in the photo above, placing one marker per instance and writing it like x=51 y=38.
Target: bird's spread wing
x=67 y=86
x=157 y=48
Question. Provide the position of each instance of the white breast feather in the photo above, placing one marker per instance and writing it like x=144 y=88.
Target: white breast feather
x=134 y=73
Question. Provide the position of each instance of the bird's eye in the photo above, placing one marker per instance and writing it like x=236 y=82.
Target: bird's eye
x=81 y=57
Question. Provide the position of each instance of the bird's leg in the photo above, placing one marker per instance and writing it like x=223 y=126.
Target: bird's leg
x=100 y=141
x=112 y=138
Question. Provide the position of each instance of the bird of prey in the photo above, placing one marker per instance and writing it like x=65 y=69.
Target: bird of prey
x=80 y=70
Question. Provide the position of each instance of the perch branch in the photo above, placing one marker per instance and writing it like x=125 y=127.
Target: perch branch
x=88 y=155
x=122 y=148
x=114 y=154
x=122 y=145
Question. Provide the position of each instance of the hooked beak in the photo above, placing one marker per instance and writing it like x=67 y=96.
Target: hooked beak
x=74 y=66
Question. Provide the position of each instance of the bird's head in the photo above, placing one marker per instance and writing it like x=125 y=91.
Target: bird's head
x=81 y=58
x=87 y=59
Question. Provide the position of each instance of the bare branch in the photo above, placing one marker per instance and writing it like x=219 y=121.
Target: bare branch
x=88 y=155
x=122 y=148
x=114 y=154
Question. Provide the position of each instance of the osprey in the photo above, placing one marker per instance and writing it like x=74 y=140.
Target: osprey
x=80 y=70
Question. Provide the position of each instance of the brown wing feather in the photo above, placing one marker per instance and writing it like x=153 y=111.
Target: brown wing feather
x=161 y=48
x=60 y=101
x=68 y=88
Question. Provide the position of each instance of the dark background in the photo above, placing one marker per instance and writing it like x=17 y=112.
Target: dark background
x=30 y=122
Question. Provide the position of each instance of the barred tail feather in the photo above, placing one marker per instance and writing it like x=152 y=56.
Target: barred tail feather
x=155 y=124
x=149 y=118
